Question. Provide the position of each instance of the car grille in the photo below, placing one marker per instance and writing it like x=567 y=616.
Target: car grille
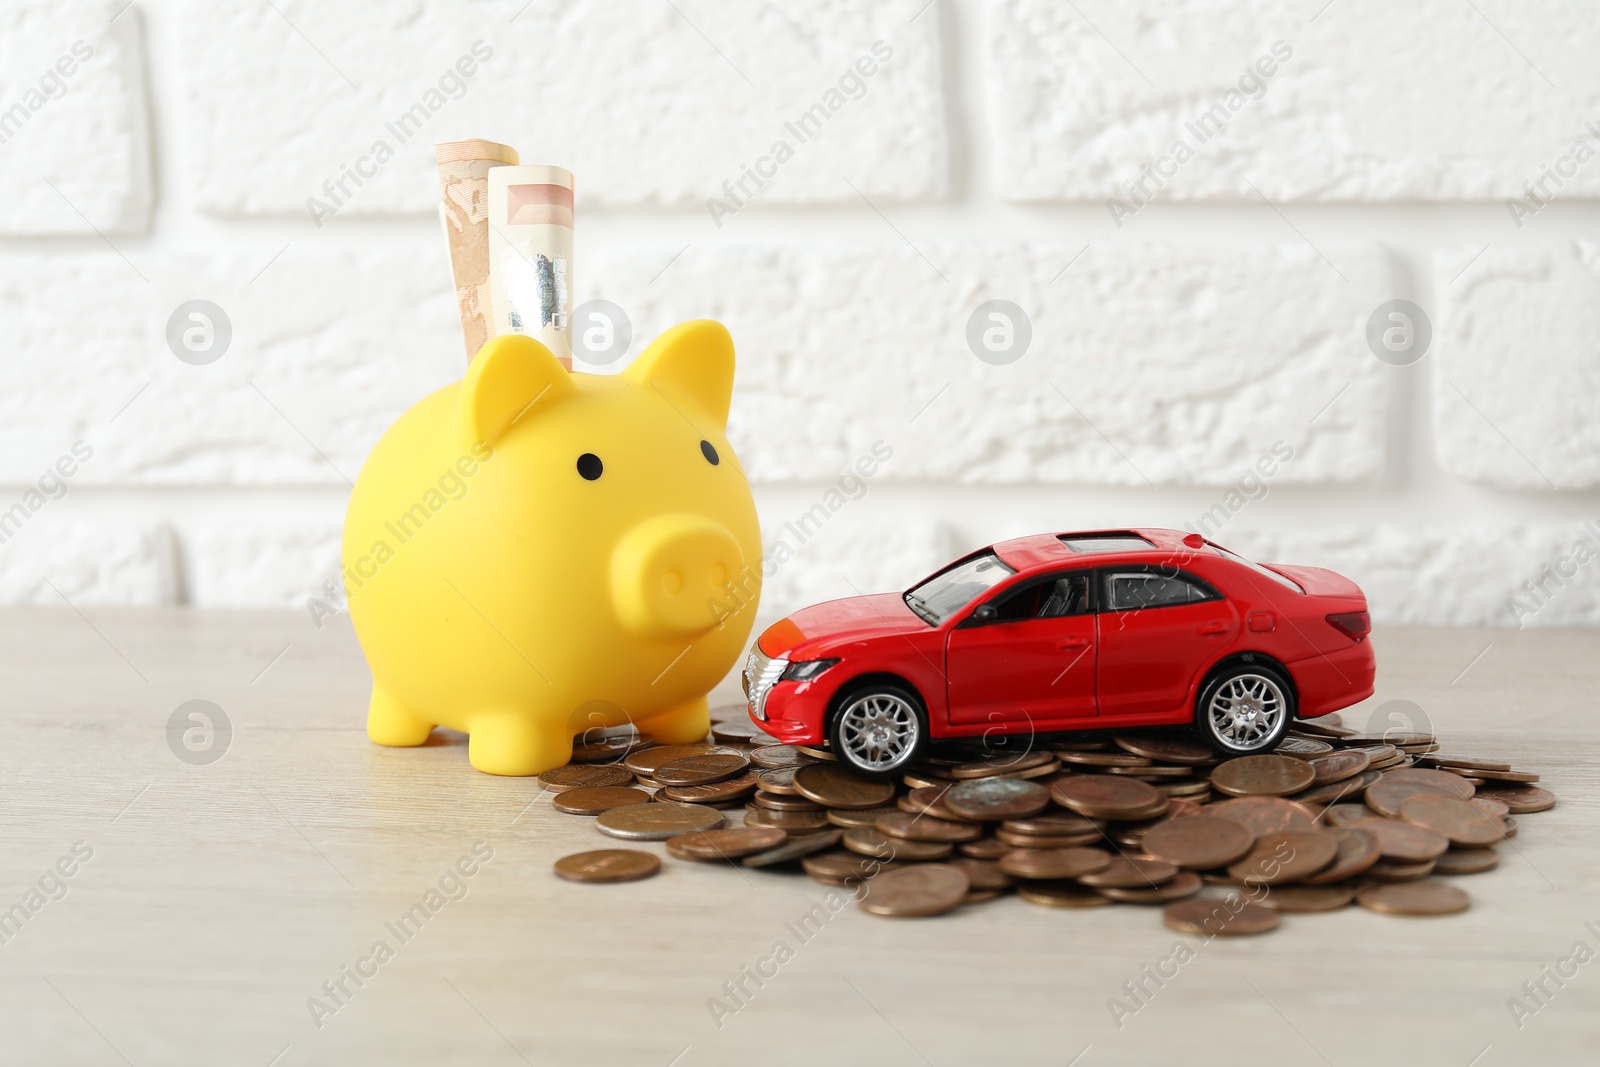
x=761 y=673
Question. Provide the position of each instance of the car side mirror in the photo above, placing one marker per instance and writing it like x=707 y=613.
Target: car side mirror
x=985 y=613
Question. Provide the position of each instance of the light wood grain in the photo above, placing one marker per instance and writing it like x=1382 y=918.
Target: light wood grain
x=220 y=898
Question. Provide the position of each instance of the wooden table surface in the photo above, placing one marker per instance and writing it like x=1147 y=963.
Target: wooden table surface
x=216 y=900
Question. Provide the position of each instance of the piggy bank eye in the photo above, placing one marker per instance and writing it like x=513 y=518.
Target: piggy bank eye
x=709 y=451
x=589 y=466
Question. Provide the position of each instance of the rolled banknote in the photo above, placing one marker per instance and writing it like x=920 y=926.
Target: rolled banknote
x=530 y=255
x=464 y=167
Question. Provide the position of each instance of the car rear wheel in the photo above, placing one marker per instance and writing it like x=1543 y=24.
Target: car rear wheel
x=1245 y=708
x=879 y=729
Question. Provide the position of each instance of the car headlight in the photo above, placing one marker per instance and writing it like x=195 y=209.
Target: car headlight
x=761 y=673
x=804 y=672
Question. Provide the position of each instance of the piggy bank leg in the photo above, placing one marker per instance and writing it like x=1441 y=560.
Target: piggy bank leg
x=685 y=724
x=516 y=743
x=391 y=723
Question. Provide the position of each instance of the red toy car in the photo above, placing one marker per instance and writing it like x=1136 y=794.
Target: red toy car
x=1061 y=632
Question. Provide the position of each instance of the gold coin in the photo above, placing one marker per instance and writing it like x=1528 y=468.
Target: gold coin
x=1308 y=897
x=1262 y=776
x=798 y=845
x=921 y=889
x=1414 y=898
x=870 y=842
x=1186 y=884
x=1403 y=841
x=1055 y=863
x=584 y=776
x=1061 y=895
x=593 y=800
x=1100 y=796
x=657 y=821
x=729 y=844
x=607 y=865
x=896 y=823
x=838 y=787
x=1199 y=842
x=1462 y=821
x=1232 y=917
x=1287 y=856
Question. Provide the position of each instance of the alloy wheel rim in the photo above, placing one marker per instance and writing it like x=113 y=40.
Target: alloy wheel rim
x=1246 y=710
x=877 y=731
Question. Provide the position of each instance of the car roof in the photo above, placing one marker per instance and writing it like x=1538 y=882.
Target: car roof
x=1046 y=550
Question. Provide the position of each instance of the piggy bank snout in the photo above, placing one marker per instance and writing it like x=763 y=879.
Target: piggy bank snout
x=669 y=572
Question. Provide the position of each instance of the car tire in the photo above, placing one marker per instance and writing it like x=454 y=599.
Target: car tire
x=878 y=729
x=1245 y=708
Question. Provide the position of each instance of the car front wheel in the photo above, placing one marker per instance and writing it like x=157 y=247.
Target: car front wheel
x=879 y=729
x=1245 y=708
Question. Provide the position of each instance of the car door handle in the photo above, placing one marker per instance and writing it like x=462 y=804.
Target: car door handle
x=1212 y=628
x=1076 y=642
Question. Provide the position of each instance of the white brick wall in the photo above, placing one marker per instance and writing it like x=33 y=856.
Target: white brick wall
x=1169 y=353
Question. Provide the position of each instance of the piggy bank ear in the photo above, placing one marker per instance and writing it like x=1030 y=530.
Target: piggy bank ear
x=510 y=378
x=691 y=362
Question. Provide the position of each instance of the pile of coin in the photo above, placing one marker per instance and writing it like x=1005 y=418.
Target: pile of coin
x=1147 y=817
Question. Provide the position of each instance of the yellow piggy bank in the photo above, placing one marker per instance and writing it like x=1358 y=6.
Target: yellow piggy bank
x=531 y=552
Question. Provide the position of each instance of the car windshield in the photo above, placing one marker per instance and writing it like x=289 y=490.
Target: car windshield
x=1258 y=568
x=947 y=592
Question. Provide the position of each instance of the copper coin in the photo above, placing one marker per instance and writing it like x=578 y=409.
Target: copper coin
x=1000 y=765
x=1164 y=747
x=816 y=753
x=997 y=798
x=979 y=896
x=1263 y=815
x=1099 y=796
x=1448 y=782
x=1400 y=870
x=923 y=889
x=1414 y=898
x=582 y=776
x=870 y=842
x=1309 y=897
x=1287 y=856
x=927 y=798
x=843 y=866
x=1054 y=863
x=1199 y=842
x=1344 y=814
x=1499 y=809
x=793 y=821
x=1510 y=824
x=608 y=865
x=798 y=845
x=657 y=821
x=1335 y=792
x=1262 y=776
x=1054 y=823
x=896 y=823
x=1061 y=895
x=1130 y=871
x=1319 y=728
x=848 y=817
x=1302 y=747
x=1233 y=917
x=983 y=874
x=776 y=756
x=1184 y=789
x=925 y=781
x=1523 y=800
x=1338 y=766
x=985 y=848
x=1467 y=861
x=839 y=787
x=779 y=802
x=593 y=800
x=728 y=789
x=645 y=761
x=744 y=733
x=712 y=845
x=594 y=746
x=1358 y=850
x=1186 y=884
x=1494 y=776
x=1462 y=821
x=1104 y=759
x=1088 y=837
x=778 y=780
x=1468 y=764
x=1404 y=841
x=698 y=770
x=1386 y=796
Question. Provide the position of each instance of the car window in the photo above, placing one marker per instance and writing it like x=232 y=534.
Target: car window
x=954 y=588
x=1129 y=592
x=1258 y=568
x=1049 y=599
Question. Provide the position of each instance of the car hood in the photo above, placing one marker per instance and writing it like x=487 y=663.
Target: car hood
x=1319 y=581
x=819 y=628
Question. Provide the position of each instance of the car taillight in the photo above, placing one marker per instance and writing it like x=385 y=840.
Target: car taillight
x=1353 y=624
